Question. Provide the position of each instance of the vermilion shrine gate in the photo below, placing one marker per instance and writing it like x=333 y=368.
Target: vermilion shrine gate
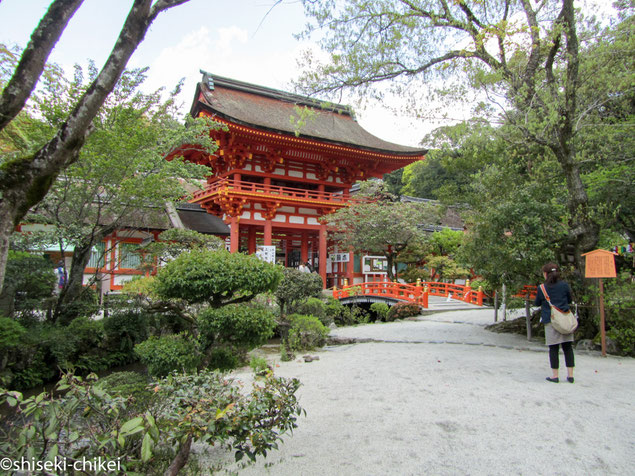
x=275 y=173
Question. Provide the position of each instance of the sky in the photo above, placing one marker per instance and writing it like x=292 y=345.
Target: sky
x=245 y=40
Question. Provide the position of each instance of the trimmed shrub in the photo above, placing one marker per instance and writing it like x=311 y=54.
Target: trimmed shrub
x=306 y=333
x=296 y=286
x=401 y=310
x=380 y=309
x=124 y=329
x=225 y=358
x=237 y=325
x=313 y=307
x=162 y=355
x=215 y=277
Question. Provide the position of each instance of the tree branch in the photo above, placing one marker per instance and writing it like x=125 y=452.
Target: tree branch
x=31 y=65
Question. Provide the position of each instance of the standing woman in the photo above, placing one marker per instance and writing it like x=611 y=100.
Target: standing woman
x=559 y=293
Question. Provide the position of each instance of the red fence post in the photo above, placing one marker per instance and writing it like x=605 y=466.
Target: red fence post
x=424 y=298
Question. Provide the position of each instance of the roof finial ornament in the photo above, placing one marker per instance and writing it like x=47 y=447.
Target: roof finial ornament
x=207 y=79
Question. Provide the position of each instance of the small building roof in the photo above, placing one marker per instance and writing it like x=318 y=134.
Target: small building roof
x=197 y=219
x=272 y=110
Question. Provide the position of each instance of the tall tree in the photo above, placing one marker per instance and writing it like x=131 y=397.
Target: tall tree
x=522 y=56
x=380 y=225
x=121 y=178
x=24 y=181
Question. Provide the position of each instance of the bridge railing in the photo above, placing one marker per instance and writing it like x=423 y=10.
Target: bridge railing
x=415 y=292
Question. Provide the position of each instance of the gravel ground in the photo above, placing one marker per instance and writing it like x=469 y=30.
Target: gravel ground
x=443 y=396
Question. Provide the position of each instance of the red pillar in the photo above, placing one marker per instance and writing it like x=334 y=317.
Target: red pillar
x=322 y=254
x=268 y=232
x=234 y=235
x=251 y=240
x=304 y=248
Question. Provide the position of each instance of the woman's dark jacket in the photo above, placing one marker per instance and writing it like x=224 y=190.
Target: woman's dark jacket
x=560 y=295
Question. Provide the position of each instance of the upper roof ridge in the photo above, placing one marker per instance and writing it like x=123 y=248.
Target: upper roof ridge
x=211 y=80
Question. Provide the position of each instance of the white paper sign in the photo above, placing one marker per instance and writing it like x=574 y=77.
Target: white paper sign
x=266 y=253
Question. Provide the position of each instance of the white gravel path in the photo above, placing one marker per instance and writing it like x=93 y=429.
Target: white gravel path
x=442 y=396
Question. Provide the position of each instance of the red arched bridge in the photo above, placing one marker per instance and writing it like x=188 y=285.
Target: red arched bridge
x=386 y=291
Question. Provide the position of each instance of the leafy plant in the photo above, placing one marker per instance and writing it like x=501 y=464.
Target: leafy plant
x=217 y=278
x=81 y=418
x=306 y=333
x=402 y=310
x=29 y=283
x=162 y=355
x=238 y=325
x=295 y=287
x=380 y=309
x=313 y=306
x=259 y=365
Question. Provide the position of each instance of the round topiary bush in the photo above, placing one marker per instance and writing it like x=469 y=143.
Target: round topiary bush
x=306 y=333
x=165 y=354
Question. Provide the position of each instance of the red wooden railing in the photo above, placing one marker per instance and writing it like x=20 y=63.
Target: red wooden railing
x=259 y=190
x=415 y=292
x=527 y=292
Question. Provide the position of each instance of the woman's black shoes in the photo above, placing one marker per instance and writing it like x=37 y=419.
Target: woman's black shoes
x=552 y=379
x=570 y=379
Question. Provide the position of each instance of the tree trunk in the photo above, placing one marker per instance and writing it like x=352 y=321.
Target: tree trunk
x=31 y=65
x=75 y=283
x=180 y=459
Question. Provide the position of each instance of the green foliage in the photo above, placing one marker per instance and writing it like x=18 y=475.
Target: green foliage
x=225 y=358
x=131 y=386
x=239 y=326
x=345 y=315
x=296 y=286
x=126 y=328
x=402 y=310
x=259 y=366
x=162 y=355
x=380 y=309
x=620 y=312
x=175 y=241
x=83 y=418
x=382 y=227
x=306 y=333
x=11 y=333
x=209 y=408
x=85 y=305
x=313 y=306
x=215 y=277
x=445 y=268
x=29 y=282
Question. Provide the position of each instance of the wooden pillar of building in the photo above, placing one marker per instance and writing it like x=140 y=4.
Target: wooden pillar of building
x=251 y=240
x=234 y=235
x=322 y=253
x=304 y=248
x=268 y=232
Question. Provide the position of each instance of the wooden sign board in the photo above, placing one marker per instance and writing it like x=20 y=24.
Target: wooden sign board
x=600 y=264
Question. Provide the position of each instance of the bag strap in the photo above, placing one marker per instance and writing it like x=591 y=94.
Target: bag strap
x=544 y=292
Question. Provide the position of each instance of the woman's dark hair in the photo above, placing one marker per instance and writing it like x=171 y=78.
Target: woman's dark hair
x=553 y=273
